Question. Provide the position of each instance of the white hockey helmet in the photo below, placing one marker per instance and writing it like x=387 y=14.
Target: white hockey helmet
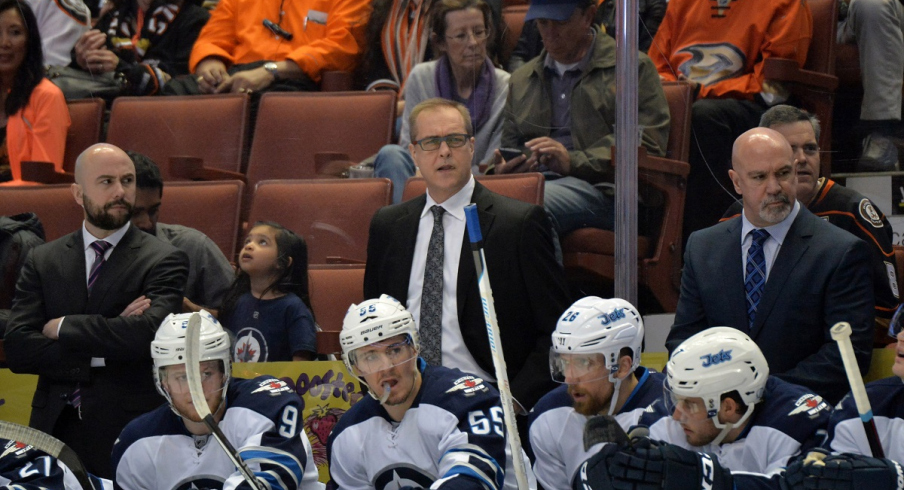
x=714 y=362
x=168 y=346
x=595 y=325
x=375 y=320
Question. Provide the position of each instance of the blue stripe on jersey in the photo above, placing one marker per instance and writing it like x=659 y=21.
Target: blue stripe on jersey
x=473 y=461
x=272 y=462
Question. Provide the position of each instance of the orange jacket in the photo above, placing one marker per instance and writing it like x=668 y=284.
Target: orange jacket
x=723 y=48
x=328 y=34
x=38 y=132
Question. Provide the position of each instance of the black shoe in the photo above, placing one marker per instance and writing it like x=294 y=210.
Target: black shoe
x=879 y=154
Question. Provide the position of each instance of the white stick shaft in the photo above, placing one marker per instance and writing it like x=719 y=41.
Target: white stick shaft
x=841 y=333
x=505 y=390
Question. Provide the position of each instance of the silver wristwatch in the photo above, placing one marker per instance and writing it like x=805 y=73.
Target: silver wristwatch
x=271 y=67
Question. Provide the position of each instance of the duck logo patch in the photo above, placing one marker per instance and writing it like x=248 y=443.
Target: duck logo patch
x=868 y=212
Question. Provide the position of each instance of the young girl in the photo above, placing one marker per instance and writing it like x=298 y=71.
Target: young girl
x=267 y=308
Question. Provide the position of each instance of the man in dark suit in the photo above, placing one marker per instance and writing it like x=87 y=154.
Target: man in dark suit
x=86 y=310
x=786 y=287
x=528 y=284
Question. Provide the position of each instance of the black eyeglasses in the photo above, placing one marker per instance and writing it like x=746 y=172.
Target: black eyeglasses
x=454 y=140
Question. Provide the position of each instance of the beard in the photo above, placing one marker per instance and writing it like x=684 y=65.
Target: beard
x=100 y=217
x=772 y=214
x=592 y=405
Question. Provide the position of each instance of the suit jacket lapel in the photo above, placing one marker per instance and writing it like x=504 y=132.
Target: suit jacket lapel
x=793 y=248
x=407 y=225
x=125 y=252
x=75 y=275
x=467 y=273
x=735 y=293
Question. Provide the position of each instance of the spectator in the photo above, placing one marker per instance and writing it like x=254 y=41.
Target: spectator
x=596 y=355
x=460 y=30
x=529 y=286
x=778 y=272
x=254 y=45
x=18 y=235
x=561 y=108
x=147 y=41
x=261 y=417
x=720 y=49
x=209 y=273
x=61 y=24
x=268 y=307
x=876 y=27
x=85 y=312
x=843 y=207
x=650 y=16
x=37 y=118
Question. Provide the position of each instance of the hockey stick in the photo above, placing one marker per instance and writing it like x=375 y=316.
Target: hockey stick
x=489 y=315
x=46 y=443
x=193 y=373
x=841 y=333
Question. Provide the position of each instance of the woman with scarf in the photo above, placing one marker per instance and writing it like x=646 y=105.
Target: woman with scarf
x=459 y=32
x=147 y=41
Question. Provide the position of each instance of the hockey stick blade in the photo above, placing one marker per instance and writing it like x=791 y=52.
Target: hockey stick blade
x=841 y=333
x=196 y=389
x=489 y=314
x=46 y=443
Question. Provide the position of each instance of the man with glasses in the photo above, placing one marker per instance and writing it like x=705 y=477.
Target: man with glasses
x=171 y=447
x=561 y=114
x=596 y=356
x=417 y=251
x=722 y=422
x=843 y=207
x=423 y=426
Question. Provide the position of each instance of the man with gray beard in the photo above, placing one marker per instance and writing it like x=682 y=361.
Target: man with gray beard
x=778 y=273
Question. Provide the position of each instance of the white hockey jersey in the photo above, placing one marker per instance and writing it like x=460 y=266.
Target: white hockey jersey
x=886 y=397
x=557 y=431
x=454 y=430
x=263 y=421
x=61 y=23
x=788 y=421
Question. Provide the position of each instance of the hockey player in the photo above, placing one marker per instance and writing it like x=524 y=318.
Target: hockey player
x=423 y=426
x=596 y=355
x=171 y=448
x=23 y=467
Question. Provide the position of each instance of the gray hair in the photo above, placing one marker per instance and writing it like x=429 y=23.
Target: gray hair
x=787 y=114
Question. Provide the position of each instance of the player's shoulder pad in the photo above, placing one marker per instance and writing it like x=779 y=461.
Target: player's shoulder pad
x=557 y=398
x=158 y=422
x=654 y=412
x=792 y=409
x=265 y=394
x=452 y=389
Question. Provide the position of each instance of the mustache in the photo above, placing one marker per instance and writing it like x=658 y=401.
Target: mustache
x=779 y=198
x=119 y=202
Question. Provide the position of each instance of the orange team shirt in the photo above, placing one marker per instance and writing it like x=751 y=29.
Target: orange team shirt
x=38 y=132
x=722 y=43
x=327 y=34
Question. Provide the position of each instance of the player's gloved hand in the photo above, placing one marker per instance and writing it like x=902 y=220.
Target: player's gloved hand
x=823 y=471
x=593 y=474
x=649 y=465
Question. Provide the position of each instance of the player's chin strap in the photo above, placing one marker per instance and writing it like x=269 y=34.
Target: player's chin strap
x=616 y=385
x=726 y=427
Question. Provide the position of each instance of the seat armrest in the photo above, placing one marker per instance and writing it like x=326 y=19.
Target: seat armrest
x=787 y=70
x=45 y=173
x=192 y=168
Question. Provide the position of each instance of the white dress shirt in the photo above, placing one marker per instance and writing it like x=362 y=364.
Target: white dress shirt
x=772 y=245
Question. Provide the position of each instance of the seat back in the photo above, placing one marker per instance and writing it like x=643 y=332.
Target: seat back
x=54 y=205
x=87 y=117
x=292 y=128
x=680 y=97
x=527 y=187
x=821 y=55
x=513 y=22
x=213 y=208
x=333 y=288
x=211 y=127
x=332 y=215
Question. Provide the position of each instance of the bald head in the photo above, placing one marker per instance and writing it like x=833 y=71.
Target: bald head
x=763 y=174
x=105 y=188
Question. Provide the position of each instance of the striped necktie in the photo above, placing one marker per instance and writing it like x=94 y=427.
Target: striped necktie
x=100 y=247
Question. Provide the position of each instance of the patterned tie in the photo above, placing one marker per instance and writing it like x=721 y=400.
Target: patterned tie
x=100 y=247
x=431 y=328
x=756 y=273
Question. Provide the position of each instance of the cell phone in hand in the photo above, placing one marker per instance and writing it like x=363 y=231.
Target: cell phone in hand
x=510 y=153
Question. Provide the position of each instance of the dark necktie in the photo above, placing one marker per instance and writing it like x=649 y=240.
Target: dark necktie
x=100 y=247
x=431 y=327
x=755 y=283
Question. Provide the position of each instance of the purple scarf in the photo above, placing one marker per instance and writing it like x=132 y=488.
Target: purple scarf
x=480 y=103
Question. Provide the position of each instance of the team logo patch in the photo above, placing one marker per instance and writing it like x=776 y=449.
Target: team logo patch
x=15 y=448
x=200 y=482
x=250 y=346
x=468 y=385
x=868 y=212
x=273 y=386
x=712 y=63
x=717 y=358
x=398 y=476
x=810 y=404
